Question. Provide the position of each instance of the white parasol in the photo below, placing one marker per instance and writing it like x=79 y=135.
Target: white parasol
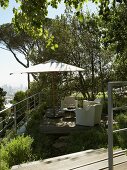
x=51 y=66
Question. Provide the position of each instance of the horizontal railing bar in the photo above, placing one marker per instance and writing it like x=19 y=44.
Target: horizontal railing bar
x=31 y=101
x=6 y=126
x=118 y=152
x=8 y=132
x=120 y=108
x=26 y=99
x=113 y=165
x=18 y=103
x=6 y=119
x=21 y=108
x=31 y=107
x=101 y=160
x=5 y=109
x=19 y=115
x=118 y=83
x=20 y=121
x=2 y=121
x=119 y=130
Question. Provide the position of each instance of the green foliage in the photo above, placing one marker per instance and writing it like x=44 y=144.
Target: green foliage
x=36 y=117
x=16 y=151
x=122 y=120
x=2 y=98
x=3 y=165
x=121 y=136
x=20 y=95
x=104 y=98
x=4 y=4
x=100 y=95
x=20 y=107
x=89 y=139
x=42 y=143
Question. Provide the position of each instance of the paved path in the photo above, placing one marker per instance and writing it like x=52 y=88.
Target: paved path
x=86 y=160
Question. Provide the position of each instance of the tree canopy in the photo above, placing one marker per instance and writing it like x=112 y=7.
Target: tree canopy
x=2 y=98
x=95 y=42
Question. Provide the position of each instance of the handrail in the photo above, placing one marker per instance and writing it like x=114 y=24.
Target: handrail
x=120 y=130
x=26 y=98
x=15 y=116
x=112 y=85
x=18 y=102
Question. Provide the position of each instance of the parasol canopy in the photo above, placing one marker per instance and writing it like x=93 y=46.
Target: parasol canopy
x=51 y=66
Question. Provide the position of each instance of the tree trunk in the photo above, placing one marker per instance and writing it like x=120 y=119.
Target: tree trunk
x=92 y=68
x=82 y=83
x=102 y=81
x=28 y=75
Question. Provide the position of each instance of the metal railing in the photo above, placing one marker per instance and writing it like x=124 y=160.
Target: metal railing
x=112 y=85
x=15 y=116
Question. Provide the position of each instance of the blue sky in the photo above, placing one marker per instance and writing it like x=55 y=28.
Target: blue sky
x=7 y=62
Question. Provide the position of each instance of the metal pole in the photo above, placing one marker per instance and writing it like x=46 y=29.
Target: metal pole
x=39 y=97
x=28 y=110
x=27 y=104
x=110 y=127
x=15 y=119
x=34 y=101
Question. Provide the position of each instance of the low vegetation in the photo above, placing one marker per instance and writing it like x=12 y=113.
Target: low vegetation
x=35 y=145
x=16 y=151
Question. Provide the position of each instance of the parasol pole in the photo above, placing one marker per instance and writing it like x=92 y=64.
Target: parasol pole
x=53 y=94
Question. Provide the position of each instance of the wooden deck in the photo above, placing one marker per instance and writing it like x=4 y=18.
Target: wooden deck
x=85 y=160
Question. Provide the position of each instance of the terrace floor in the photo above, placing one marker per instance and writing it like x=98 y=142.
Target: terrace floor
x=85 y=160
x=61 y=125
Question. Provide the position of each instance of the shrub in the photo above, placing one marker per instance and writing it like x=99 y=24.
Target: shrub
x=122 y=123
x=3 y=165
x=16 y=151
x=90 y=139
x=122 y=120
x=105 y=101
x=20 y=95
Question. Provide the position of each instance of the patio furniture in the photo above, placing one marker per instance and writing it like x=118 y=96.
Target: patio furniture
x=89 y=115
x=69 y=102
x=89 y=103
x=51 y=66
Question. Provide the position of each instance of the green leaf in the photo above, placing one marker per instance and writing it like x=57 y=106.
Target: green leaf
x=53 y=48
x=56 y=45
x=81 y=17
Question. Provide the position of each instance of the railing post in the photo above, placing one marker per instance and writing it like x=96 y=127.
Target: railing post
x=110 y=127
x=15 y=119
x=28 y=109
x=34 y=101
x=39 y=97
x=28 y=104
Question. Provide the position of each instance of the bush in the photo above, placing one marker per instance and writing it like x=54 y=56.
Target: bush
x=105 y=102
x=20 y=95
x=16 y=151
x=122 y=136
x=3 y=165
x=41 y=142
x=90 y=139
x=122 y=120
